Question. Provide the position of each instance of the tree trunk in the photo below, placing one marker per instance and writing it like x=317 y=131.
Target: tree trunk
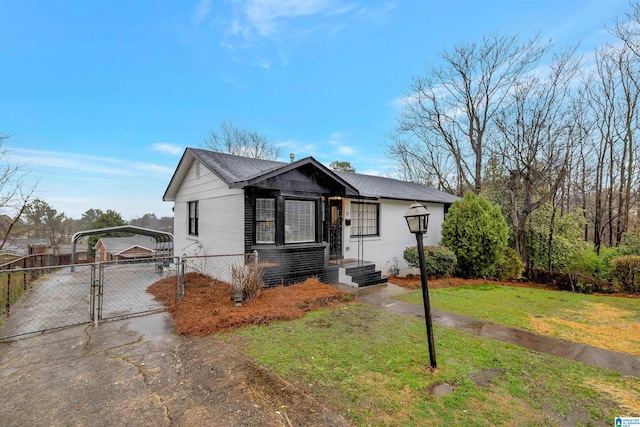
x=551 y=229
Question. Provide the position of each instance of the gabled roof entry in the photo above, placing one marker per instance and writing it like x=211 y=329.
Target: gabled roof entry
x=286 y=167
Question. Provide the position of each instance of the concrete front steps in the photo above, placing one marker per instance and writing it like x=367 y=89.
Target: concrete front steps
x=360 y=275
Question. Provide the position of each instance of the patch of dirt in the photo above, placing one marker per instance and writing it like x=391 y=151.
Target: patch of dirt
x=484 y=377
x=208 y=306
x=208 y=382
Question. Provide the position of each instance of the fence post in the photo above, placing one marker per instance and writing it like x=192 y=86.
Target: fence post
x=100 y=289
x=8 y=305
x=92 y=294
x=180 y=279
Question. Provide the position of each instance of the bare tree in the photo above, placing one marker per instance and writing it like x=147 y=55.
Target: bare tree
x=413 y=165
x=445 y=122
x=600 y=89
x=232 y=139
x=627 y=66
x=14 y=195
x=535 y=141
x=613 y=95
x=628 y=31
x=627 y=62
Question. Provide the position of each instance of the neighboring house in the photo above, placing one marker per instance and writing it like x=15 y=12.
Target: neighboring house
x=125 y=248
x=302 y=218
x=22 y=247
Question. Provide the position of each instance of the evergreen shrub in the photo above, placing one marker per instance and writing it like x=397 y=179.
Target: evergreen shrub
x=510 y=266
x=625 y=271
x=475 y=230
x=439 y=261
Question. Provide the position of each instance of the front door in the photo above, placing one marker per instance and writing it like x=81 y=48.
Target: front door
x=335 y=229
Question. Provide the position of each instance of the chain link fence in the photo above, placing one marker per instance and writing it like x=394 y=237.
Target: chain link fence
x=35 y=300
x=15 y=282
x=44 y=299
x=218 y=266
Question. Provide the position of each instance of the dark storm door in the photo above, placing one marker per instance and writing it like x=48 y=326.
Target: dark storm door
x=335 y=229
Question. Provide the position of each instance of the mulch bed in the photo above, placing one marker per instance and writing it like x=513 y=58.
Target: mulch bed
x=208 y=306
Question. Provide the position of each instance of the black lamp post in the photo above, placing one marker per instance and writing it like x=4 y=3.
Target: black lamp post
x=418 y=219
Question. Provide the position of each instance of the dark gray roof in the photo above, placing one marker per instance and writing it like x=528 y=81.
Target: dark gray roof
x=235 y=168
x=239 y=170
x=388 y=188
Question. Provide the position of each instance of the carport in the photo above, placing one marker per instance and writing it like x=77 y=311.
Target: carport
x=69 y=295
x=164 y=240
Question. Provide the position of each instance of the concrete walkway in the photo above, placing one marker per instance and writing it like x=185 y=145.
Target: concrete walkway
x=382 y=297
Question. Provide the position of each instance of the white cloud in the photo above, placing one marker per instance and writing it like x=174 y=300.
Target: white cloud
x=298 y=148
x=376 y=14
x=264 y=14
x=95 y=165
x=284 y=25
x=264 y=63
x=73 y=183
x=150 y=167
x=401 y=102
x=286 y=20
x=346 y=151
x=335 y=138
x=176 y=150
x=202 y=10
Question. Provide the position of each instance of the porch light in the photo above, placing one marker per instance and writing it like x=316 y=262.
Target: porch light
x=418 y=219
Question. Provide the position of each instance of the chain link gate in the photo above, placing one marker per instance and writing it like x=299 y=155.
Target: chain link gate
x=120 y=287
x=45 y=299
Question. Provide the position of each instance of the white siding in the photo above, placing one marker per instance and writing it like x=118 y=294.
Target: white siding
x=220 y=211
x=386 y=250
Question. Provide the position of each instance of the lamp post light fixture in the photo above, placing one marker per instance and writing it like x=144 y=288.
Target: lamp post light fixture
x=418 y=219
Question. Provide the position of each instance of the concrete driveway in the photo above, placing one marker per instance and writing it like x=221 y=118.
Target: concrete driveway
x=136 y=372
x=62 y=298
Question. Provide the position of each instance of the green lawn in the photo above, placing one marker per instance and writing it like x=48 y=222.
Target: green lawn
x=604 y=321
x=372 y=366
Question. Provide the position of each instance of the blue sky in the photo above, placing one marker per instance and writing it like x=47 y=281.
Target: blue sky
x=101 y=98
